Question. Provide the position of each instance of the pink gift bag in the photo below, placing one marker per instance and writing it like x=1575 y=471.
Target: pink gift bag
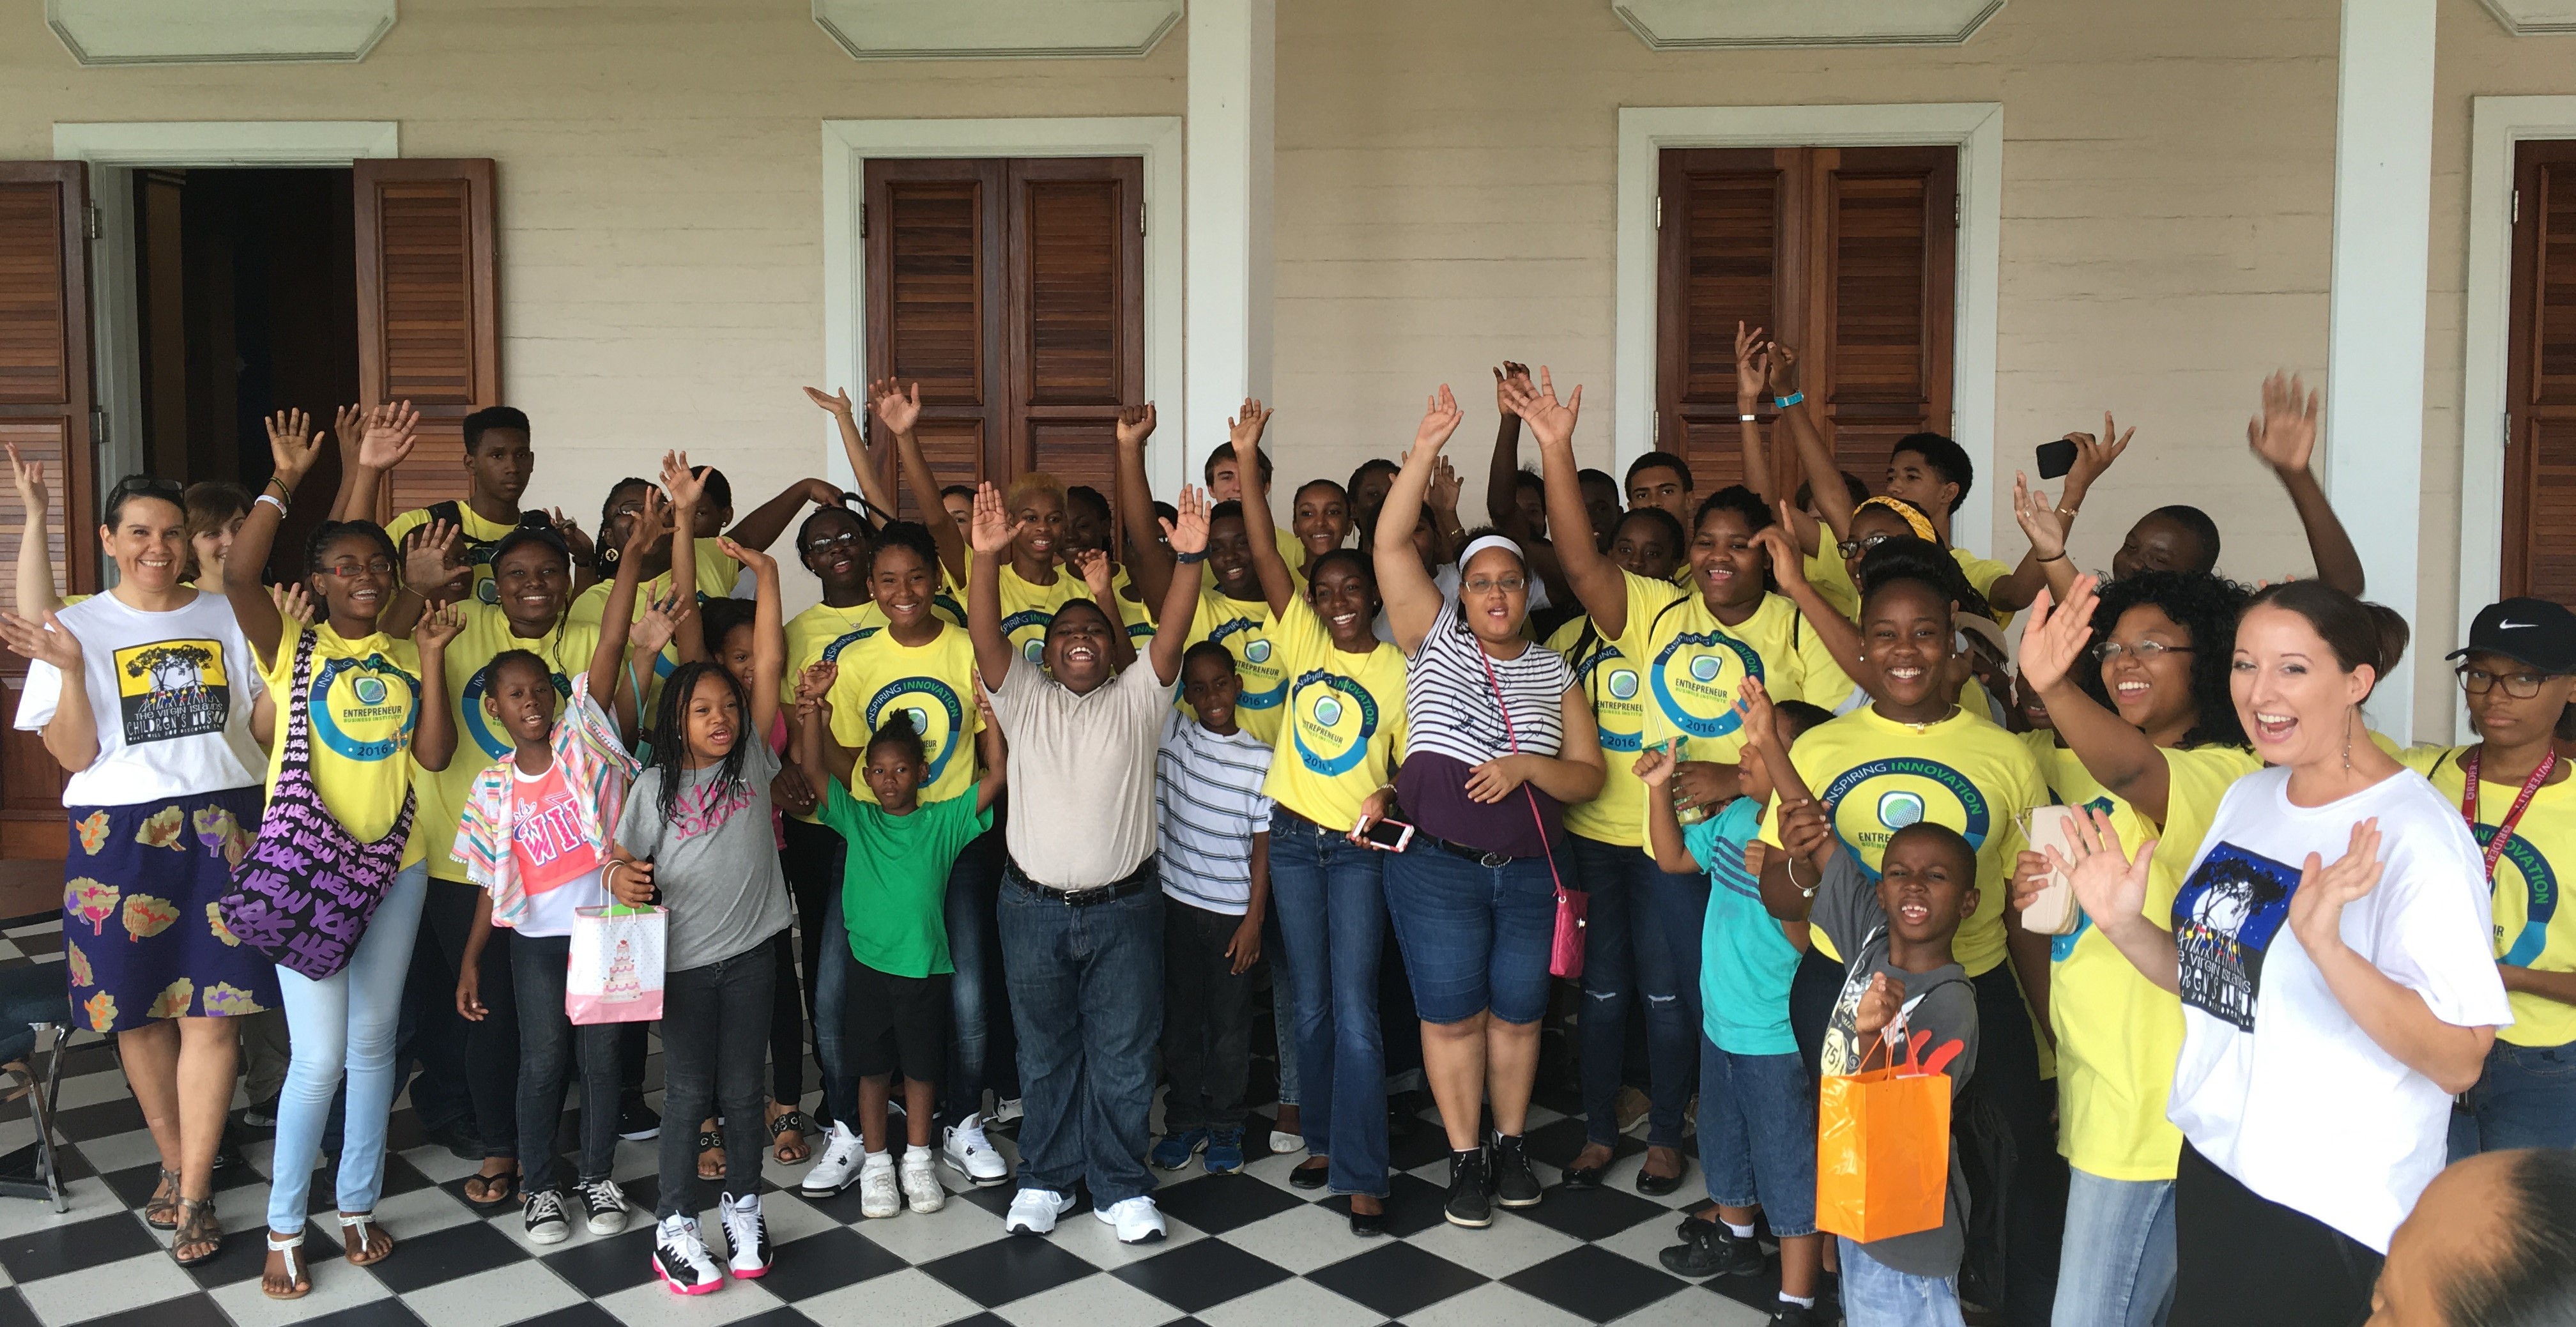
x=616 y=974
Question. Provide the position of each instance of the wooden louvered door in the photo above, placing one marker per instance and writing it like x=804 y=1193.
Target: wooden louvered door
x=1847 y=254
x=429 y=318
x=45 y=414
x=1012 y=290
x=2540 y=378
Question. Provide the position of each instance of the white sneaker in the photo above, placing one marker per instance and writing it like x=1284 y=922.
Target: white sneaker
x=681 y=1259
x=1005 y=1110
x=878 y=1196
x=1033 y=1211
x=1286 y=1142
x=970 y=1155
x=1137 y=1219
x=842 y=1152
x=747 y=1231
x=921 y=1182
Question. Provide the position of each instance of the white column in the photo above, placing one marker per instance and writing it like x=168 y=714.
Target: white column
x=1228 y=249
x=2374 y=452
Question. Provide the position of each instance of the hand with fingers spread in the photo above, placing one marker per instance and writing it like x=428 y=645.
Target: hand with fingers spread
x=349 y=425
x=2041 y=523
x=2325 y=890
x=48 y=642
x=438 y=626
x=1753 y=703
x=898 y=407
x=754 y=560
x=1136 y=423
x=290 y=452
x=1244 y=431
x=1189 y=534
x=2110 y=884
x=2092 y=457
x=1511 y=383
x=652 y=521
x=29 y=479
x=661 y=621
x=1443 y=497
x=292 y=602
x=1440 y=418
x=2054 y=641
x=429 y=556
x=993 y=529
x=834 y=403
x=2285 y=434
x=389 y=438
x=816 y=681
x=686 y=485
x=1551 y=420
x=1752 y=366
x=1092 y=565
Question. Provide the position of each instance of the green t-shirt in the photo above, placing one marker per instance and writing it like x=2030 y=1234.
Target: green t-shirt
x=894 y=887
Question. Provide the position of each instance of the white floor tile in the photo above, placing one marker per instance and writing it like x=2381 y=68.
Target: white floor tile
x=918 y=1239
x=654 y=1305
x=336 y=1286
x=1499 y=1250
x=89 y=1198
x=1492 y=1305
x=1695 y=1308
x=909 y=1298
x=113 y=1288
x=120 y=1151
x=1088 y=1302
x=1096 y=1242
x=495 y=1298
x=1291 y=1304
x=1302 y=1239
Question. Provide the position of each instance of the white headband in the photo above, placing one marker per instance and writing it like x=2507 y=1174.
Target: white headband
x=1485 y=541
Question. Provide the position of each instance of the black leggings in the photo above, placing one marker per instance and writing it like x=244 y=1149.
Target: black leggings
x=2245 y=1258
x=786 y=1026
x=491 y=1046
x=714 y=1028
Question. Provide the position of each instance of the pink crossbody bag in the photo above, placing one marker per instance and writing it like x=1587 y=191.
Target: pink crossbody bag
x=1565 y=955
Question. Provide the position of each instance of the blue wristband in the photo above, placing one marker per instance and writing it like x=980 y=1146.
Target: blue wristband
x=1784 y=402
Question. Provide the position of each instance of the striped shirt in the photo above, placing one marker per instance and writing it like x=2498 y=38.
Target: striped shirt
x=1207 y=796
x=1452 y=723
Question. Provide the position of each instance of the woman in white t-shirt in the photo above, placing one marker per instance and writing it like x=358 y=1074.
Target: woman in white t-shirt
x=164 y=798
x=2330 y=946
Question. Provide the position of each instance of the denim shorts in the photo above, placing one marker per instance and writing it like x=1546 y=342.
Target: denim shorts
x=1757 y=1135
x=1474 y=937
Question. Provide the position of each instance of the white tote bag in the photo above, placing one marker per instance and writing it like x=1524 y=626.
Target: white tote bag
x=616 y=974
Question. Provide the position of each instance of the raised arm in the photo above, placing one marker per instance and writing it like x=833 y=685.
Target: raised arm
x=688 y=489
x=1595 y=580
x=1277 y=585
x=2111 y=887
x=1789 y=574
x=2053 y=645
x=1834 y=498
x=1149 y=564
x=768 y=633
x=1092 y=565
x=433 y=738
x=1752 y=373
x=1188 y=537
x=994 y=530
x=349 y=427
x=616 y=617
x=899 y=411
x=807 y=748
x=2040 y=568
x=2045 y=527
x=989 y=748
x=1412 y=599
x=291 y=454
x=71 y=736
x=36 y=595
x=385 y=438
x=1502 y=487
x=871 y=478
x=2284 y=436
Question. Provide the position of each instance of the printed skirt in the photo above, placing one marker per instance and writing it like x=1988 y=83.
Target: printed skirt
x=142 y=939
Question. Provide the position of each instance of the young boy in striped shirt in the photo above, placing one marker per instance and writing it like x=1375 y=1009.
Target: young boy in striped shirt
x=1214 y=831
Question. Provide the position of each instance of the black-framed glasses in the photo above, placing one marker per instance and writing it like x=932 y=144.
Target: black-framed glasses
x=2145 y=651
x=1852 y=548
x=2520 y=686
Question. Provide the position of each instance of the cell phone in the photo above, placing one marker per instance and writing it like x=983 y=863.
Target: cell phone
x=1387 y=835
x=2056 y=458
x=2054 y=912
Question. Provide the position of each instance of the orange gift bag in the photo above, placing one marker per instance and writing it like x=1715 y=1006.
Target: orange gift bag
x=1882 y=1149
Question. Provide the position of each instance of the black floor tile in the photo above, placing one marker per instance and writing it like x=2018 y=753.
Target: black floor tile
x=1594 y=1284
x=582 y=1315
x=825 y=1261
x=1200 y=1275
x=1558 y=1142
x=393 y=1313
x=598 y=1267
x=323 y=1194
x=1219 y=1203
x=185 y=1311
x=70 y=1248
x=1591 y=1214
x=997 y=1273
x=14 y=1311
x=1413 y=1205
x=82 y=1123
x=444 y=1255
x=1396 y=1279
x=982 y=1320
x=778 y=1317
x=1415 y=1148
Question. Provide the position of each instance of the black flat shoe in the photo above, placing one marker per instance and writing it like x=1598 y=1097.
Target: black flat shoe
x=1585 y=1177
x=1366 y=1224
x=1309 y=1176
x=1658 y=1185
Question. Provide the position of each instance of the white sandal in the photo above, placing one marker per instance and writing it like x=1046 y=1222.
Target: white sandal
x=363 y=1223
x=299 y=1280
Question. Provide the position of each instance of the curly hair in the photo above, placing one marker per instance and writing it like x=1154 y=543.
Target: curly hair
x=897 y=732
x=671 y=738
x=2202 y=604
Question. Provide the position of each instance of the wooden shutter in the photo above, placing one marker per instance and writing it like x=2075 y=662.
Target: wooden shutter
x=1846 y=254
x=45 y=413
x=1013 y=292
x=2540 y=378
x=429 y=316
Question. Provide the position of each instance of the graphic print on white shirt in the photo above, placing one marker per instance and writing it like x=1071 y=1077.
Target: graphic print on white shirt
x=170 y=689
x=2225 y=919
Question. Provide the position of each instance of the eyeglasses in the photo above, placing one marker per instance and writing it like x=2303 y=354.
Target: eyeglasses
x=1852 y=548
x=2520 y=686
x=1493 y=585
x=832 y=543
x=2145 y=651
x=347 y=570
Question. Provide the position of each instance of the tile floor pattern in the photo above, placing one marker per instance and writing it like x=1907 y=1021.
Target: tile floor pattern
x=1244 y=1250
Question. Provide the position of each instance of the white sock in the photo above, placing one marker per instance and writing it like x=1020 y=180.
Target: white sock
x=880 y=1157
x=1802 y=1301
x=1744 y=1231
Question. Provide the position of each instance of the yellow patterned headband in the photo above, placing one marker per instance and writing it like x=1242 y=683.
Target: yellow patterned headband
x=1914 y=520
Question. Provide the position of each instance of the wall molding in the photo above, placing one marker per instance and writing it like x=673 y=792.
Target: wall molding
x=997 y=29
x=176 y=32
x=2534 y=18
x=1700 y=25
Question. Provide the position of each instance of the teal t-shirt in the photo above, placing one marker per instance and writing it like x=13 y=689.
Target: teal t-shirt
x=1746 y=962
x=894 y=886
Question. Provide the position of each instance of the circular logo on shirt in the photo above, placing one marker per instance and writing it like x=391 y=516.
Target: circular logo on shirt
x=1257 y=652
x=934 y=710
x=1334 y=719
x=1704 y=669
x=1605 y=676
x=369 y=690
x=1872 y=800
x=1898 y=809
x=487 y=590
x=361 y=717
x=2540 y=894
x=1623 y=683
x=1034 y=651
x=1695 y=677
x=479 y=723
x=1264 y=687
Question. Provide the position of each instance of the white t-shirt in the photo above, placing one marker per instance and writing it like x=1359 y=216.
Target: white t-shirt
x=1082 y=772
x=2277 y=1085
x=172 y=693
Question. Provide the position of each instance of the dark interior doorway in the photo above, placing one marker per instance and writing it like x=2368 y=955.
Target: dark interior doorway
x=247 y=292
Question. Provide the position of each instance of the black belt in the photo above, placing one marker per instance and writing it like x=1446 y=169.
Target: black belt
x=1136 y=882
x=1489 y=860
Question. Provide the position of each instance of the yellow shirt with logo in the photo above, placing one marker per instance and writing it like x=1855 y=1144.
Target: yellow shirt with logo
x=365 y=711
x=1876 y=776
x=1826 y=572
x=2532 y=928
x=717 y=571
x=1028 y=608
x=1690 y=665
x=477 y=530
x=480 y=740
x=934 y=683
x=1244 y=628
x=1617 y=692
x=1345 y=721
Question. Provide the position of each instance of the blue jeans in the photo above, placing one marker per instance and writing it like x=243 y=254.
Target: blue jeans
x=548 y=1038
x=1677 y=911
x=831 y=981
x=345 y=1022
x=1474 y=937
x=1327 y=893
x=1087 y=1001
x=979 y=1021
x=2526 y=1097
x=1875 y=1295
x=1757 y=1135
x=1283 y=999
x=1625 y=955
x=2118 y=1261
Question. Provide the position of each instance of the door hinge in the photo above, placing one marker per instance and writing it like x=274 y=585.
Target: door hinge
x=863 y=221
x=2508 y=428
x=2517 y=207
x=1659 y=211
x=1655 y=433
x=97 y=426
x=1954 y=209
x=1140 y=218
x=96 y=223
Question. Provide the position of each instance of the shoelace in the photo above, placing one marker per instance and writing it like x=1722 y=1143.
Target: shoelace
x=545 y=1203
x=604 y=1195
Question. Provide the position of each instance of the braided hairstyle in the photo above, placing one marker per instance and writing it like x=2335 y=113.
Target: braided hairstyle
x=671 y=738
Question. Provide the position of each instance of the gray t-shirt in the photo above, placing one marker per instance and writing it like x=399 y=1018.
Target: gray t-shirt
x=1939 y=1002
x=715 y=859
x=1081 y=772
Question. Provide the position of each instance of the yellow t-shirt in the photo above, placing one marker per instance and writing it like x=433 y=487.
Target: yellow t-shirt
x=2119 y=1034
x=1876 y=776
x=1132 y=611
x=1292 y=551
x=2531 y=930
x=480 y=741
x=934 y=683
x=362 y=730
x=1617 y=693
x=717 y=571
x=1826 y=572
x=1346 y=721
x=1244 y=627
x=487 y=534
x=1982 y=574
x=1027 y=608
x=1690 y=665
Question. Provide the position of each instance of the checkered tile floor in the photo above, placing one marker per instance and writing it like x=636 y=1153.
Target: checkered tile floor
x=1244 y=1250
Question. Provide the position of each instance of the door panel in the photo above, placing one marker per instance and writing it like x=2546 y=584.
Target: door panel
x=934 y=284
x=428 y=309
x=2540 y=455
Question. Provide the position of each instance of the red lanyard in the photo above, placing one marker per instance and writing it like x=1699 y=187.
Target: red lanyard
x=2504 y=832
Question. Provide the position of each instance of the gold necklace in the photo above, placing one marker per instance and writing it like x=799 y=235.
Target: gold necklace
x=1926 y=725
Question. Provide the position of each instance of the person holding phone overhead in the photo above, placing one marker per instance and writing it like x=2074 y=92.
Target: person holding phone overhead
x=1332 y=776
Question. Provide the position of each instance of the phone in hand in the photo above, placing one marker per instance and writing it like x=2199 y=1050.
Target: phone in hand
x=2054 y=912
x=1387 y=835
x=2056 y=458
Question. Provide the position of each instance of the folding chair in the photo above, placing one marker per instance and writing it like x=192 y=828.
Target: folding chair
x=36 y=1171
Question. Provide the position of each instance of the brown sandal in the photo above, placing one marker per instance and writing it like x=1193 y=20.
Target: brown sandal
x=197 y=1228
x=299 y=1278
x=161 y=1212
x=359 y=1236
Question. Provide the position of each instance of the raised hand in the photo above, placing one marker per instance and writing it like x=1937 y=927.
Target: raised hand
x=1655 y=766
x=2110 y=885
x=1788 y=565
x=898 y=407
x=993 y=529
x=391 y=433
x=2093 y=456
x=1189 y=534
x=289 y=451
x=437 y=627
x=1752 y=364
x=2040 y=522
x=1135 y=424
x=349 y=425
x=2285 y=434
x=1092 y=565
x=1244 y=431
x=661 y=621
x=1804 y=828
x=48 y=642
x=429 y=556
x=650 y=524
x=1440 y=417
x=1552 y=420
x=837 y=403
x=757 y=561
x=29 y=477
x=816 y=681
x=2057 y=635
x=682 y=481
x=573 y=538
x=1783 y=369
x=1511 y=383
x=1754 y=703
x=292 y=602
x=2316 y=909
x=1443 y=497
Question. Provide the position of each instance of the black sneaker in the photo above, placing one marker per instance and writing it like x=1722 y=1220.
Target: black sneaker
x=544 y=1213
x=1712 y=1251
x=1515 y=1184
x=1471 y=1193
x=1786 y=1314
x=637 y=1121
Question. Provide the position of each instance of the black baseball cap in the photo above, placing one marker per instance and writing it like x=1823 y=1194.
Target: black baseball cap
x=536 y=527
x=2537 y=632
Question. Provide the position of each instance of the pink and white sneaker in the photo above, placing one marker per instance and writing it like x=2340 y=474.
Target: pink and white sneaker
x=681 y=1259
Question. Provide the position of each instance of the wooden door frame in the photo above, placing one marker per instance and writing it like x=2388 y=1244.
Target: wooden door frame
x=848 y=145
x=1976 y=129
